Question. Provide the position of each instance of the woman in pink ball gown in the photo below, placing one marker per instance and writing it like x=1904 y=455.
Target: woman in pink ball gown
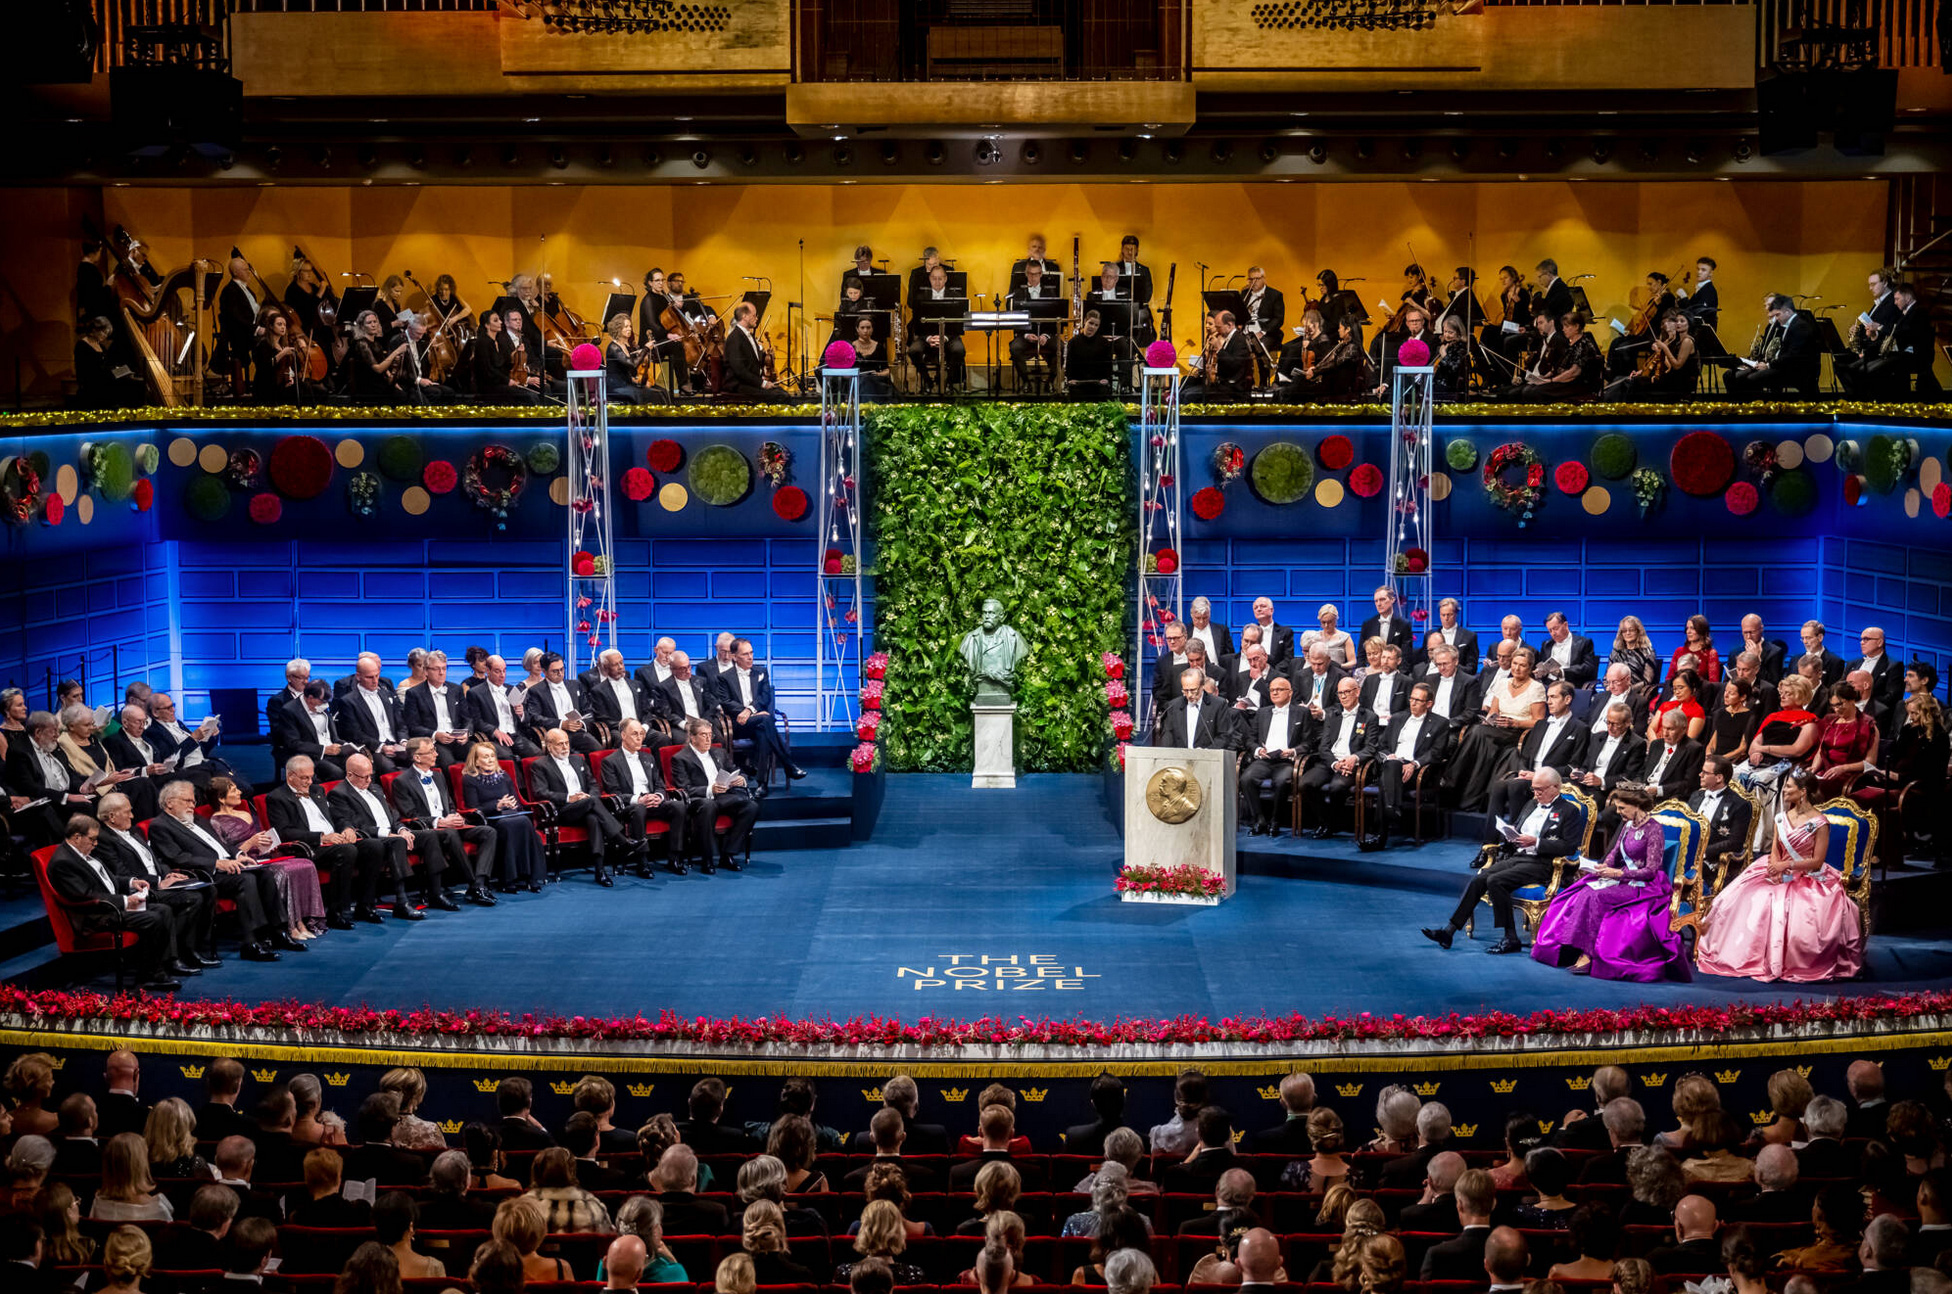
x=1787 y=916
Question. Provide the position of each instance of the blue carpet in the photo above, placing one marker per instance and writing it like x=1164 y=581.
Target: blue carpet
x=959 y=874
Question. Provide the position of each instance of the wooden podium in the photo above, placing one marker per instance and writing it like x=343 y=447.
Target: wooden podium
x=1180 y=809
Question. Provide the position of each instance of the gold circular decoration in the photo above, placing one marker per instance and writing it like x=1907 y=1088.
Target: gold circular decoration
x=1930 y=473
x=213 y=459
x=1818 y=448
x=1789 y=455
x=414 y=500
x=673 y=497
x=182 y=451
x=1911 y=503
x=67 y=483
x=350 y=453
x=1596 y=500
x=1440 y=487
x=559 y=491
x=85 y=508
x=1173 y=794
x=1328 y=492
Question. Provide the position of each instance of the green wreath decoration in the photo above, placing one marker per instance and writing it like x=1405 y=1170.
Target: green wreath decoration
x=493 y=478
x=1462 y=455
x=1282 y=473
x=1614 y=456
x=1522 y=499
x=720 y=475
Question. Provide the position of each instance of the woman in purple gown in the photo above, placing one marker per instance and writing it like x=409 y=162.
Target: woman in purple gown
x=297 y=879
x=1615 y=915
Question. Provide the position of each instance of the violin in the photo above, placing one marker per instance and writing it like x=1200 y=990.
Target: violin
x=518 y=366
x=443 y=355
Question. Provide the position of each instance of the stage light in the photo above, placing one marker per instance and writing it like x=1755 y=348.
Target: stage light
x=1032 y=152
x=1365 y=149
x=1412 y=149
x=1744 y=150
x=1172 y=152
x=417 y=158
x=652 y=157
x=1459 y=149
x=225 y=161
x=1696 y=150
x=748 y=155
x=367 y=156
x=890 y=152
x=559 y=157
x=701 y=159
x=605 y=158
x=323 y=156
x=1318 y=152
x=1270 y=151
x=273 y=156
x=1507 y=149
x=1127 y=149
x=986 y=154
x=843 y=155
x=1602 y=150
x=1080 y=152
x=1554 y=150
x=509 y=155
x=934 y=152
x=1222 y=151
x=795 y=154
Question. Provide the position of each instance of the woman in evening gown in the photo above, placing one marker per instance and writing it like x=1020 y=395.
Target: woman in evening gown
x=1787 y=917
x=1615 y=916
x=485 y=787
x=297 y=879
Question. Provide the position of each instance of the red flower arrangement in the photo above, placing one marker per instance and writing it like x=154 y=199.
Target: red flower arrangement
x=582 y=565
x=665 y=456
x=1571 y=477
x=1336 y=453
x=861 y=758
x=1680 y=1024
x=267 y=508
x=1122 y=724
x=1167 y=560
x=871 y=692
x=1415 y=561
x=144 y=497
x=1942 y=499
x=301 y=467
x=440 y=477
x=1366 y=480
x=1701 y=463
x=830 y=562
x=867 y=725
x=1741 y=498
x=1208 y=503
x=638 y=484
x=53 y=510
x=1116 y=696
x=1184 y=878
x=1114 y=665
x=875 y=666
x=790 y=503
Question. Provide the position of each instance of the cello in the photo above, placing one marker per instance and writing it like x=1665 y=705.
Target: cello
x=704 y=343
x=442 y=352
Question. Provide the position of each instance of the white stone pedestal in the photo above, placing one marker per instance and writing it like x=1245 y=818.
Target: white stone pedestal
x=996 y=750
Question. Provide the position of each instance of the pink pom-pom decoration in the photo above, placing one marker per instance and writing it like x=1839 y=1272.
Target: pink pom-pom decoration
x=1121 y=725
x=1366 y=480
x=875 y=666
x=638 y=484
x=583 y=565
x=1161 y=354
x=1168 y=560
x=1116 y=695
x=871 y=694
x=1414 y=353
x=1114 y=666
x=1941 y=499
x=839 y=354
x=586 y=356
x=266 y=508
x=1741 y=498
x=862 y=757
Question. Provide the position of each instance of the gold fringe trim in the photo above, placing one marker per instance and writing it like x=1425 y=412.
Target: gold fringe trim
x=1572 y=1057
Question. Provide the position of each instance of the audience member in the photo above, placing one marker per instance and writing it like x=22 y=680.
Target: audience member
x=127 y=1192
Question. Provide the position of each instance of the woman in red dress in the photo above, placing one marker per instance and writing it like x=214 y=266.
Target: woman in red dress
x=1846 y=743
x=1700 y=644
x=1686 y=698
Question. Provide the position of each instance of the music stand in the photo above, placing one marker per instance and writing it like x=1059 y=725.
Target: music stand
x=760 y=300
x=1226 y=299
x=619 y=303
x=934 y=316
x=1047 y=315
x=1579 y=301
x=355 y=302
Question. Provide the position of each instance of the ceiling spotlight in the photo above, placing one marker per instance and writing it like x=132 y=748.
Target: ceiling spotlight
x=559 y=157
x=323 y=156
x=1507 y=149
x=1602 y=150
x=225 y=161
x=367 y=156
x=986 y=152
x=795 y=154
x=1650 y=149
x=934 y=153
x=1554 y=149
x=1172 y=152
x=1318 y=152
x=1744 y=149
x=843 y=155
x=890 y=152
x=605 y=158
x=1270 y=151
x=1697 y=149
x=1032 y=152
x=1222 y=151
x=418 y=158
x=1412 y=149
x=1127 y=149
x=1080 y=151
x=748 y=155
x=1365 y=149
x=1460 y=148
x=273 y=155
x=701 y=159
x=509 y=155
x=653 y=157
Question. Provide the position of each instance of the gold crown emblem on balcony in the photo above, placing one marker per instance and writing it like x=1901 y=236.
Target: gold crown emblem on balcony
x=1467 y=1129
x=1938 y=1062
x=954 y=1095
x=1349 y=1089
x=639 y=1089
x=1654 y=1080
x=1428 y=1089
x=58 y=1062
x=1545 y=1126
x=1760 y=1117
x=1272 y=1092
x=1035 y=1093
x=337 y=1080
x=265 y=1075
x=872 y=1094
x=191 y=1071
x=450 y=1126
x=563 y=1088
x=1503 y=1086
x=1804 y=1070
x=1727 y=1075
x=1238 y=1134
x=486 y=1084
x=1579 y=1083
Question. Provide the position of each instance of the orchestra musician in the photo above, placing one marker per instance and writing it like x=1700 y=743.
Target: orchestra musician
x=446 y=304
x=412 y=382
x=1580 y=373
x=1139 y=290
x=1877 y=331
x=1344 y=371
x=871 y=358
x=665 y=345
x=1703 y=302
x=745 y=360
x=1790 y=359
x=304 y=294
x=1033 y=253
x=918 y=278
x=699 y=315
x=237 y=321
x=1545 y=345
x=280 y=376
x=392 y=303
x=1671 y=366
x=1117 y=315
x=936 y=348
x=1338 y=302
x=492 y=351
x=521 y=297
x=1415 y=319
x=1508 y=342
x=1463 y=304
x=101 y=382
x=516 y=337
x=1416 y=291
x=1625 y=352
x=1265 y=315
x=853 y=306
x=1088 y=362
x=864 y=262
x=371 y=362
x=1294 y=371
x=1226 y=369
x=1454 y=358
x=1036 y=346
x=1553 y=292
x=620 y=362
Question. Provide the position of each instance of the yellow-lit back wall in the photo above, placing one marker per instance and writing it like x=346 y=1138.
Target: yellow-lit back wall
x=1792 y=236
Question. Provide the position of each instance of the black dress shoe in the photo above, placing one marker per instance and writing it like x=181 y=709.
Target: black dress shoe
x=338 y=921
x=535 y=887
x=1320 y=833
x=161 y=985
x=794 y=773
x=260 y=953
x=198 y=959
x=406 y=912
x=286 y=942
x=678 y=867
x=756 y=789
x=705 y=866
x=481 y=898
x=183 y=969
x=1439 y=935
x=443 y=903
x=603 y=879
x=1509 y=944
x=507 y=887
x=643 y=869
x=369 y=915
x=732 y=863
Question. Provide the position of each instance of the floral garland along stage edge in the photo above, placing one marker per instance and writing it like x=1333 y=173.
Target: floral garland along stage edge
x=1650 y=1025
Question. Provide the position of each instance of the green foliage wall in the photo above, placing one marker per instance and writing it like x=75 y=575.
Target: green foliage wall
x=1032 y=505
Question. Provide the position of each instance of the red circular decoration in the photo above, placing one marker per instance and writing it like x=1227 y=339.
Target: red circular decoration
x=1336 y=453
x=790 y=503
x=266 y=508
x=639 y=485
x=582 y=565
x=1571 y=477
x=1208 y=503
x=831 y=566
x=145 y=495
x=1416 y=561
x=1942 y=499
x=1366 y=480
x=1702 y=463
x=1853 y=489
x=664 y=456
x=53 y=510
x=301 y=467
x=1741 y=498
x=1168 y=560
x=440 y=477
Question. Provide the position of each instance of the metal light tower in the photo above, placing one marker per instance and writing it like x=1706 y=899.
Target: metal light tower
x=1411 y=524
x=591 y=613
x=840 y=614
x=1159 y=528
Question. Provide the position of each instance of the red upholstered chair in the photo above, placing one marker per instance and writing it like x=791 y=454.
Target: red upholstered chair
x=61 y=920
x=721 y=823
x=554 y=837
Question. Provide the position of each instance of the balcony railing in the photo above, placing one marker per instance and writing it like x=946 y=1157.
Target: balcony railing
x=992 y=40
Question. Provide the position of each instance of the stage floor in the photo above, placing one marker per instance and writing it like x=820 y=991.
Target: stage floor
x=901 y=926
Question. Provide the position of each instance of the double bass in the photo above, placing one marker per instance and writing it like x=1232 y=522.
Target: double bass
x=704 y=344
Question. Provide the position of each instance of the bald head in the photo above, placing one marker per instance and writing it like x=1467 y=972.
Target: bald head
x=624 y=1261
x=1504 y=1256
x=1694 y=1218
x=1444 y=1170
x=1259 y=1258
